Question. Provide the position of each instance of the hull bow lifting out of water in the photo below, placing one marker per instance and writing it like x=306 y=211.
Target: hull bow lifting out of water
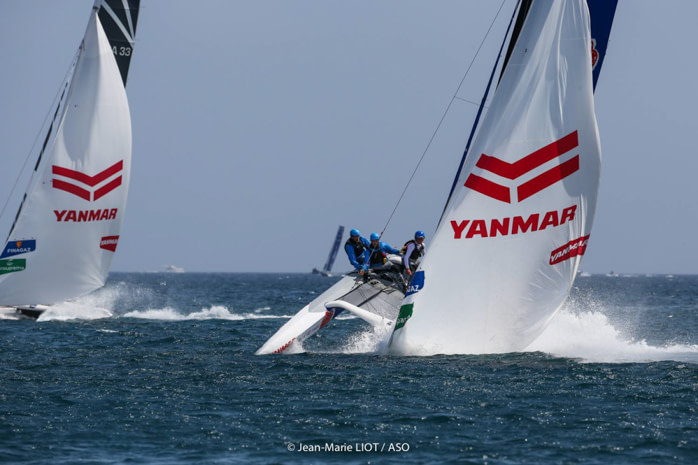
x=374 y=298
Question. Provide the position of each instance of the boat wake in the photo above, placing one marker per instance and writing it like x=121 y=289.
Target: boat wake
x=374 y=340
x=94 y=306
x=109 y=302
x=215 y=312
x=67 y=311
x=587 y=335
x=590 y=337
x=79 y=311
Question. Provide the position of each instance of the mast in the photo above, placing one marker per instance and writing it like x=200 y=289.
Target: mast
x=520 y=19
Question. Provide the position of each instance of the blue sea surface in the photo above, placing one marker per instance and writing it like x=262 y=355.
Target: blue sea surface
x=159 y=368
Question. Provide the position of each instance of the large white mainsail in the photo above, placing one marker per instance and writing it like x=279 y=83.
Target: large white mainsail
x=507 y=249
x=66 y=232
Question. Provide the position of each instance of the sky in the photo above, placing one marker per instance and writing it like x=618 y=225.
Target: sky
x=260 y=126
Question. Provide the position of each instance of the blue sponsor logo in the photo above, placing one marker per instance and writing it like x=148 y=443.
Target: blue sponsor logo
x=416 y=284
x=18 y=247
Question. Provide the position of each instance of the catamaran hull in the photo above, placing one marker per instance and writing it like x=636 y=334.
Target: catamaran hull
x=24 y=311
x=375 y=299
x=296 y=330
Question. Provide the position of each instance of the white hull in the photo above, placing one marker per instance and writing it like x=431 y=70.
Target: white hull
x=23 y=311
x=375 y=300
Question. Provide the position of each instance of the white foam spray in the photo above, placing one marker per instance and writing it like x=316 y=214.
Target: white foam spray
x=103 y=302
x=374 y=340
x=581 y=330
x=590 y=337
x=74 y=311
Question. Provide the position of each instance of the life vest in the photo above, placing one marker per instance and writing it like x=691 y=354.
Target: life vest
x=417 y=252
x=377 y=257
x=358 y=249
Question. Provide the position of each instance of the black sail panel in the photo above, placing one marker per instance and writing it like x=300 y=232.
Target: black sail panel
x=119 y=19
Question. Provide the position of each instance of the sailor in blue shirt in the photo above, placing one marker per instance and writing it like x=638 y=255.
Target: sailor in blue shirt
x=377 y=258
x=356 y=248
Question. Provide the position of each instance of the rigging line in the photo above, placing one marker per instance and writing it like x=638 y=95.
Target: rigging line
x=466 y=100
x=443 y=117
x=57 y=99
x=479 y=112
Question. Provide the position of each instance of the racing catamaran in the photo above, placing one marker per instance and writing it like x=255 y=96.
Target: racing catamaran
x=518 y=218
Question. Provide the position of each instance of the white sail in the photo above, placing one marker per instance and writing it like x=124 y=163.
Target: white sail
x=506 y=252
x=65 y=236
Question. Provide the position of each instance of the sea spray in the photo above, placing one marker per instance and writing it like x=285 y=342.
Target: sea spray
x=591 y=337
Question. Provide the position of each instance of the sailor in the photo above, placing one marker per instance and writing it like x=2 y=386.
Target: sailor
x=412 y=251
x=378 y=258
x=356 y=248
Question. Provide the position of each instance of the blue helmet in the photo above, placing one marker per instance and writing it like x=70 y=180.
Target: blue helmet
x=419 y=234
x=354 y=233
x=375 y=236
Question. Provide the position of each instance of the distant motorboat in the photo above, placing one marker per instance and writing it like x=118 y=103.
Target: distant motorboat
x=173 y=269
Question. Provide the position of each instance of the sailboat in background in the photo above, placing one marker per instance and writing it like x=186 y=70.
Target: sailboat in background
x=327 y=269
x=67 y=227
x=518 y=218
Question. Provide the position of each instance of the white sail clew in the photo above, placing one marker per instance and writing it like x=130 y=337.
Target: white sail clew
x=506 y=252
x=64 y=239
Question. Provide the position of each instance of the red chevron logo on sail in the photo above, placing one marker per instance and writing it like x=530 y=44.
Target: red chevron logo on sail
x=78 y=178
x=525 y=165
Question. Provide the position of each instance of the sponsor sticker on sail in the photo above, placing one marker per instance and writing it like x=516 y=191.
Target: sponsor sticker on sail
x=90 y=188
x=416 y=284
x=81 y=216
x=404 y=315
x=109 y=243
x=12 y=265
x=18 y=247
x=571 y=249
x=528 y=164
x=468 y=229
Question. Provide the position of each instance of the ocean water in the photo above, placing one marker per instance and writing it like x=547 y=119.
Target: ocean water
x=160 y=368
